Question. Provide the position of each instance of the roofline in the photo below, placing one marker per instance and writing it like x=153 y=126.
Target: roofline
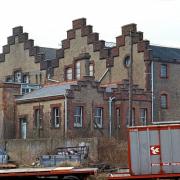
x=173 y=61
x=45 y=98
x=164 y=46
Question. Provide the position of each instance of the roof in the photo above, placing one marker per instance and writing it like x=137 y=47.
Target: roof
x=165 y=53
x=47 y=91
x=50 y=53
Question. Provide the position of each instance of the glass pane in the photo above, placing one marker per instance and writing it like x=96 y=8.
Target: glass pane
x=143 y=116
x=91 y=70
x=163 y=101
x=17 y=76
x=78 y=117
x=78 y=70
x=69 y=74
x=98 y=117
x=163 y=70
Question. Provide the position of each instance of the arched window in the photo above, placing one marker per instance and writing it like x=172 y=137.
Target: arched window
x=127 y=61
x=164 y=101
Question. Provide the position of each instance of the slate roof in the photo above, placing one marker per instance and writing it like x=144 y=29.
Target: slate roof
x=47 y=91
x=50 y=53
x=165 y=53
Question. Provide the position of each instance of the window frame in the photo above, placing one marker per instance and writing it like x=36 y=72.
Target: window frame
x=22 y=118
x=16 y=78
x=91 y=71
x=68 y=74
x=78 y=117
x=143 y=116
x=38 y=110
x=78 y=70
x=54 y=117
x=127 y=61
x=164 y=105
x=164 y=71
x=25 y=78
x=99 y=117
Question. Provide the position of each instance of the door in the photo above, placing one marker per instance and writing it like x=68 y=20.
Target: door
x=23 y=128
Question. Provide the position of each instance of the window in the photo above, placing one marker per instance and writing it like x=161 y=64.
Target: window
x=9 y=79
x=133 y=117
x=23 y=128
x=36 y=79
x=143 y=116
x=69 y=74
x=78 y=116
x=127 y=61
x=38 y=118
x=25 y=91
x=40 y=78
x=78 y=70
x=118 y=118
x=91 y=70
x=55 y=117
x=163 y=73
x=130 y=122
x=25 y=78
x=17 y=76
x=98 y=117
x=163 y=101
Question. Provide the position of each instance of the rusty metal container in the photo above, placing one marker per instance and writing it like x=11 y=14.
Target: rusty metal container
x=154 y=149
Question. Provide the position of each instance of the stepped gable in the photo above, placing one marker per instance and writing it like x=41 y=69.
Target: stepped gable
x=84 y=83
x=107 y=53
x=22 y=38
x=143 y=46
x=40 y=53
x=121 y=92
x=137 y=38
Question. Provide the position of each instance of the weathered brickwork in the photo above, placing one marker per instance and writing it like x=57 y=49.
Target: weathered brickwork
x=21 y=54
x=96 y=67
x=89 y=95
x=78 y=42
x=8 y=109
x=170 y=87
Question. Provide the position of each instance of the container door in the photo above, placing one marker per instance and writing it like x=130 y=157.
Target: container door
x=154 y=152
x=166 y=150
x=144 y=152
x=175 y=150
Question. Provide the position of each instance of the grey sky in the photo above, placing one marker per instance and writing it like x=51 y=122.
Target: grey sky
x=47 y=21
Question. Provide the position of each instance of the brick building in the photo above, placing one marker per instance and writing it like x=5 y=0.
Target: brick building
x=79 y=108
x=20 y=60
x=152 y=73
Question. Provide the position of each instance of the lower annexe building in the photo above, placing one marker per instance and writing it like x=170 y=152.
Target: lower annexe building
x=80 y=108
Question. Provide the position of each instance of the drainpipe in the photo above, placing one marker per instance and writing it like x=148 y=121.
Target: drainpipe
x=110 y=115
x=65 y=116
x=152 y=91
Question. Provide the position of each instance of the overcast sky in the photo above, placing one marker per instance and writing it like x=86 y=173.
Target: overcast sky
x=47 y=21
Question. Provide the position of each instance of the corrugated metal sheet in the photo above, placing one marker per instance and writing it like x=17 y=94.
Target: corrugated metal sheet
x=155 y=149
x=48 y=91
